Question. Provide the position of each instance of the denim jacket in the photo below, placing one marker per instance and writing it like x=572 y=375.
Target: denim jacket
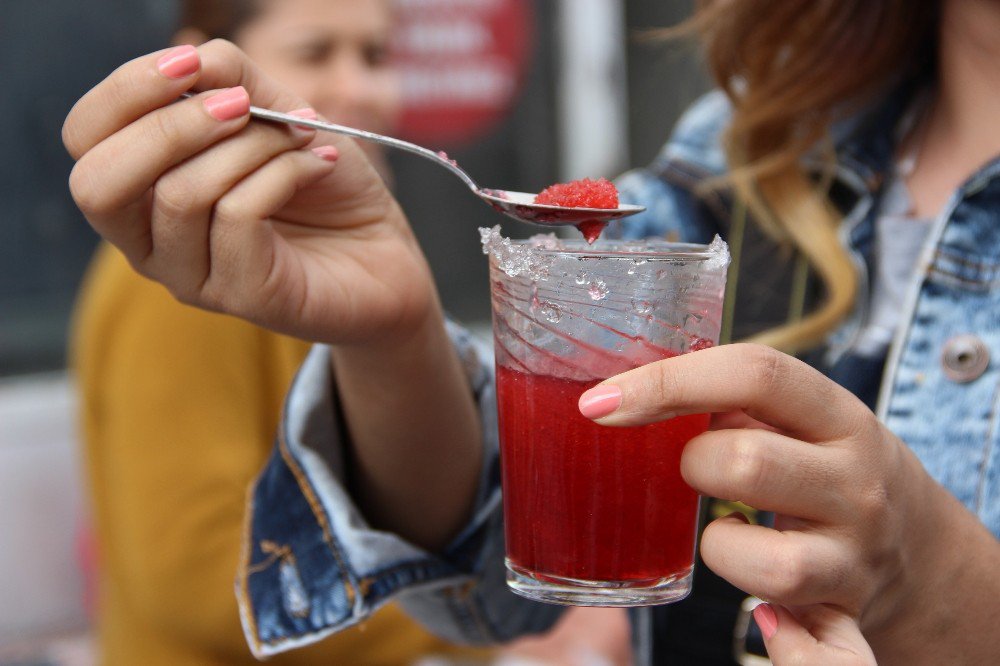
x=311 y=565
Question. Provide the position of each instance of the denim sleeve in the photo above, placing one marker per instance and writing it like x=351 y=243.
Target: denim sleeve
x=672 y=212
x=312 y=566
x=668 y=187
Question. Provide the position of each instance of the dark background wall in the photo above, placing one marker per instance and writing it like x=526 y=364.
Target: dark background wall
x=51 y=52
x=664 y=77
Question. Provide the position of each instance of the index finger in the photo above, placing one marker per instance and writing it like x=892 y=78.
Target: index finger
x=769 y=386
x=157 y=79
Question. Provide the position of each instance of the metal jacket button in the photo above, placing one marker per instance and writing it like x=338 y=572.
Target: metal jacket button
x=965 y=358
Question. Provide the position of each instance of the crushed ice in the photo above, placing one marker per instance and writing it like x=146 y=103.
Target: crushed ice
x=516 y=260
x=719 y=252
x=598 y=289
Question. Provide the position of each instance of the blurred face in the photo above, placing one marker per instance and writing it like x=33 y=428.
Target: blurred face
x=333 y=53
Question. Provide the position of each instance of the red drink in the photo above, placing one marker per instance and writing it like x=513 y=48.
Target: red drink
x=589 y=502
x=596 y=516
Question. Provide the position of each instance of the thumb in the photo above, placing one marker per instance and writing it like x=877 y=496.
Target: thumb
x=833 y=637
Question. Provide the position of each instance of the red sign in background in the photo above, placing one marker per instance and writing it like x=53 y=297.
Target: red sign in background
x=462 y=63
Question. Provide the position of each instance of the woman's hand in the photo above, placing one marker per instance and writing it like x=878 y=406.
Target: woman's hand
x=860 y=526
x=829 y=637
x=242 y=217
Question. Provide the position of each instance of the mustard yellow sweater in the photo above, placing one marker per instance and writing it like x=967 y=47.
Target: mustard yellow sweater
x=179 y=408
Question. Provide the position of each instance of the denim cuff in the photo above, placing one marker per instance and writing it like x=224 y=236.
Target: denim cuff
x=311 y=565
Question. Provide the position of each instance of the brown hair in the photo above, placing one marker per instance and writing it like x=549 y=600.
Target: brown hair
x=791 y=69
x=217 y=18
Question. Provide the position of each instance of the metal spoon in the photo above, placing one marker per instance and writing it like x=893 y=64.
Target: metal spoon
x=518 y=205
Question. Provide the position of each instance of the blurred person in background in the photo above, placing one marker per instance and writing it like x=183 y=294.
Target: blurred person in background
x=180 y=406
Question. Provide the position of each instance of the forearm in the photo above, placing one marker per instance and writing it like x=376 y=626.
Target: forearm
x=415 y=434
x=949 y=615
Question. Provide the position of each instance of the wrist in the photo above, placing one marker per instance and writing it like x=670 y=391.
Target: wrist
x=414 y=432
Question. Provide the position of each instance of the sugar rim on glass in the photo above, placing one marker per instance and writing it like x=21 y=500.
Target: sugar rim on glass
x=533 y=256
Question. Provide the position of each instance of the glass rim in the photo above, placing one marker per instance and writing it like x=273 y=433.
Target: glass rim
x=663 y=250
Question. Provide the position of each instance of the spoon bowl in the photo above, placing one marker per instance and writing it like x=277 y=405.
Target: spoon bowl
x=522 y=206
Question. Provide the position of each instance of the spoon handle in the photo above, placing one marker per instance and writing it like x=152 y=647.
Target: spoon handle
x=441 y=159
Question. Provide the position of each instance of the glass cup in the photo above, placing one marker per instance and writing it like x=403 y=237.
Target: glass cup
x=596 y=515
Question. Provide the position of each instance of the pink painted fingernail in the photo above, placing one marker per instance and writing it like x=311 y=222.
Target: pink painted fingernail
x=228 y=104
x=328 y=153
x=179 y=62
x=307 y=113
x=766 y=619
x=600 y=401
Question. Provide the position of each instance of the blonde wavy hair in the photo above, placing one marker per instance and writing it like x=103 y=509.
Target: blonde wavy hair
x=791 y=68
